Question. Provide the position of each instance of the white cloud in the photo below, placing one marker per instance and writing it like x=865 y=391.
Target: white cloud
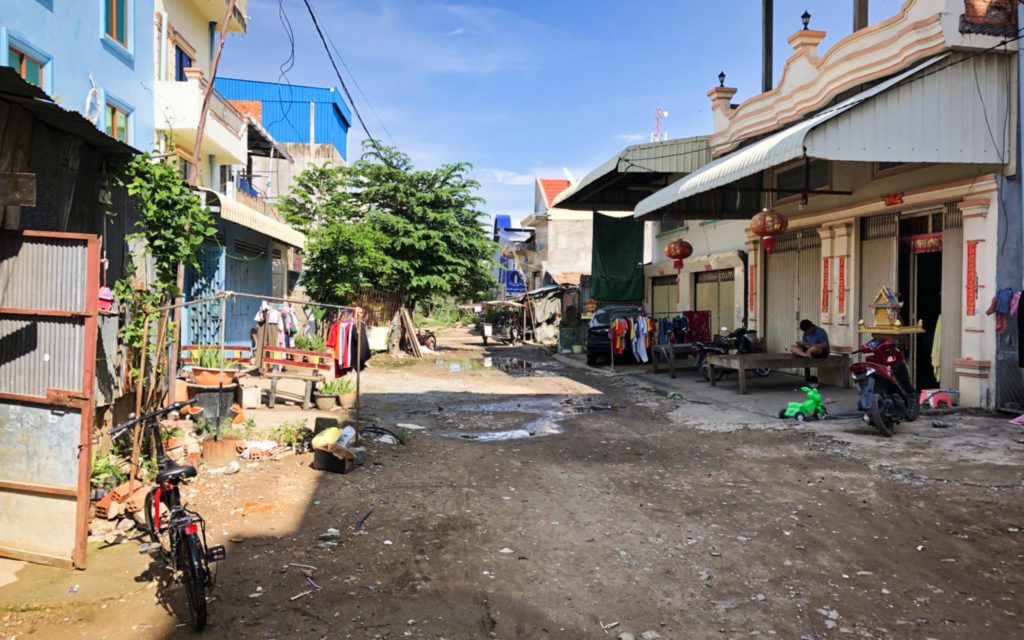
x=505 y=177
x=633 y=137
x=457 y=32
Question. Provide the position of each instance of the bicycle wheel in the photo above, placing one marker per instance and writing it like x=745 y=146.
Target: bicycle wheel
x=193 y=576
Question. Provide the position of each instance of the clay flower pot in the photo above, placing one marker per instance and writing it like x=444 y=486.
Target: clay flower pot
x=324 y=402
x=174 y=443
x=212 y=377
x=347 y=400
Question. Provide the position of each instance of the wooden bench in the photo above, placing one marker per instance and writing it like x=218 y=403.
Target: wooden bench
x=742 y=362
x=671 y=351
x=295 y=364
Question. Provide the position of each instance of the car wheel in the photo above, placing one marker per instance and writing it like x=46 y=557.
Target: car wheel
x=591 y=359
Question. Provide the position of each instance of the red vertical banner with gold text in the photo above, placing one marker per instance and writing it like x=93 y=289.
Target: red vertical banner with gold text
x=972 y=277
x=826 y=264
x=842 y=284
x=751 y=285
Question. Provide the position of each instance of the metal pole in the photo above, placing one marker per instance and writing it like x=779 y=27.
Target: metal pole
x=860 y=14
x=611 y=344
x=767 y=34
x=223 y=363
x=359 y=364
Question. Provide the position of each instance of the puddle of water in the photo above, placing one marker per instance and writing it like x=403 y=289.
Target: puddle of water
x=511 y=366
x=456 y=366
x=510 y=419
x=520 y=367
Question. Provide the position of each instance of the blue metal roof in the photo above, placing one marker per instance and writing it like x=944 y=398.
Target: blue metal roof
x=286 y=112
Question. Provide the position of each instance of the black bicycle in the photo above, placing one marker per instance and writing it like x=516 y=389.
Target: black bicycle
x=186 y=553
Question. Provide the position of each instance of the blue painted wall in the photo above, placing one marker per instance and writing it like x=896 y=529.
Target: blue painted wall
x=224 y=268
x=68 y=35
x=286 y=110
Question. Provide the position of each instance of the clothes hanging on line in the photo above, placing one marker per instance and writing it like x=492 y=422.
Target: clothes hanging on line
x=349 y=344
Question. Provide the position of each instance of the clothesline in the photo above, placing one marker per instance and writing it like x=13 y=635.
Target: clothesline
x=306 y=303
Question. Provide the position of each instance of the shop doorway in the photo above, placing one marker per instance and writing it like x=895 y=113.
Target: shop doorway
x=921 y=284
x=714 y=291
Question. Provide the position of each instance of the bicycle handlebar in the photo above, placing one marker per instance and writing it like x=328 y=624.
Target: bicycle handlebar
x=132 y=421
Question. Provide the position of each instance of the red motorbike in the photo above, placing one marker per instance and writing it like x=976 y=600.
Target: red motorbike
x=887 y=395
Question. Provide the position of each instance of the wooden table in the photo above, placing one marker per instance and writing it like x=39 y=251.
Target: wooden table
x=670 y=351
x=742 y=362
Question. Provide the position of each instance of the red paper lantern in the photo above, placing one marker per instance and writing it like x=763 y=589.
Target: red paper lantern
x=679 y=250
x=767 y=225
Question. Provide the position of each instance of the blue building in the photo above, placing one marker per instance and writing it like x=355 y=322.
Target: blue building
x=93 y=56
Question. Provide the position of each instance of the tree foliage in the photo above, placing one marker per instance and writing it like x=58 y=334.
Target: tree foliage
x=380 y=222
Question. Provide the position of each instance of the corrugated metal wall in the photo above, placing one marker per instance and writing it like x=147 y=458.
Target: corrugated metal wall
x=27 y=269
x=878 y=259
x=949 y=111
x=40 y=354
x=952 y=294
x=809 y=290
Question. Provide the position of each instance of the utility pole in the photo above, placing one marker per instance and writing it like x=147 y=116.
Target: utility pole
x=767 y=33
x=860 y=14
x=193 y=181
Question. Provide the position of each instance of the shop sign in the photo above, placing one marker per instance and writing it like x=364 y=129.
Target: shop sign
x=972 y=277
x=825 y=277
x=893 y=199
x=926 y=243
x=751 y=285
x=842 y=284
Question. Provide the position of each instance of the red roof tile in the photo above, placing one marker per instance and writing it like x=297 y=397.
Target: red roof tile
x=552 y=187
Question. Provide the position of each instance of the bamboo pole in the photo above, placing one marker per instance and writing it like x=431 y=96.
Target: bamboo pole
x=220 y=388
x=133 y=467
x=359 y=365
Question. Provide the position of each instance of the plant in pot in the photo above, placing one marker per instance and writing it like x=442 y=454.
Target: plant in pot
x=345 y=389
x=326 y=397
x=209 y=365
x=107 y=473
x=172 y=437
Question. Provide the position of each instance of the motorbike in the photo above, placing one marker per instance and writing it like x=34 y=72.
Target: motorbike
x=739 y=340
x=887 y=394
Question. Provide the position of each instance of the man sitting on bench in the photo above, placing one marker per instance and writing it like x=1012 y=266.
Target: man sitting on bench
x=813 y=342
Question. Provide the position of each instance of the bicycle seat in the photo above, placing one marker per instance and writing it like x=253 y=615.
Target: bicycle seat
x=175 y=471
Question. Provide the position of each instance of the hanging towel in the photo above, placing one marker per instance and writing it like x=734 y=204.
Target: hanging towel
x=937 y=350
x=1014 y=303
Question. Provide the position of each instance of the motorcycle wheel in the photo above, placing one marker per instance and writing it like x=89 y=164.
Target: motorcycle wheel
x=882 y=422
x=763 y=372
x=782 y=414
x=705 y=369
x=913 y=410
x=800 y=416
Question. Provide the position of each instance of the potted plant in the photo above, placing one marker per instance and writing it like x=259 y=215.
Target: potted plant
x=173 y=438
x=326 y=397
x=209 y=365
x=345 y=389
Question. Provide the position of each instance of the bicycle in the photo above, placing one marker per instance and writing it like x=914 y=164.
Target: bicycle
x=186 y=554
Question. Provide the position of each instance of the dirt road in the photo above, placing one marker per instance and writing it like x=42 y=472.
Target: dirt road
x=614 y=511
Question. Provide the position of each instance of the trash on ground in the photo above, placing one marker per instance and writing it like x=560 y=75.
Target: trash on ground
x=301 y=595
x=228 y=469
x=361 y=521
x=410 y=426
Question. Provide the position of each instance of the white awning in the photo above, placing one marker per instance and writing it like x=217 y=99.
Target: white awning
x=914 y=122
x=249 y=218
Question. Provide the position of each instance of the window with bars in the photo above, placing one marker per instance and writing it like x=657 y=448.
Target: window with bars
x=29 y=68
x=117 y=20
x=182 y=61
x=117 y=123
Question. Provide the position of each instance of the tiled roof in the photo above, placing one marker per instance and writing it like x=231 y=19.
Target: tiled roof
x=552 y=187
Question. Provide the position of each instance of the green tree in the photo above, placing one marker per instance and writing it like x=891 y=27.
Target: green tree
x=416 y=233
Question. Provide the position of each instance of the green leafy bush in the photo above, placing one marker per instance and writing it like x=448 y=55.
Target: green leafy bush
x=311 y=343
x=106 y=471
x=338 y=386
x=292 y=432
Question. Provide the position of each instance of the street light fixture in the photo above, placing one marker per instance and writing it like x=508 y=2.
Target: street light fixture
x=721 y=78
x=806 y=19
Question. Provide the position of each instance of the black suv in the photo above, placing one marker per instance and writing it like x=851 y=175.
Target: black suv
x=598 y=342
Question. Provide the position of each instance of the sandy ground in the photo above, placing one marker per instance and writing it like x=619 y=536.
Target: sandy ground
x=695 y=518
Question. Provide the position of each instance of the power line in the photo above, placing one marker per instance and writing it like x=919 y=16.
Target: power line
x=361 y=92
x=341 y=81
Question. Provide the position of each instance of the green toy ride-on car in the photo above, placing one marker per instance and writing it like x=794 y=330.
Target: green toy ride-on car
x=810 y=409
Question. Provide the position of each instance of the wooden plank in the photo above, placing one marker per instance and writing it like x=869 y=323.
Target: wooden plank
x=43 y=489
x=294 y=363
x=38 y=558
x=43 y=313
x=292 y=376
x=18 y=189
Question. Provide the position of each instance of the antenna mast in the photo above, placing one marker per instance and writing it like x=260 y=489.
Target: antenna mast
x=659 y=133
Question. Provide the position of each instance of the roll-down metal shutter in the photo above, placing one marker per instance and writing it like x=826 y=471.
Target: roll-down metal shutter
x=878 y=259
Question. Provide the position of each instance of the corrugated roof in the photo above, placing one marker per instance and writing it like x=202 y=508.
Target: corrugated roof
x=890 y=122
x=31 y=97
x=551 y=187
x=604 y=187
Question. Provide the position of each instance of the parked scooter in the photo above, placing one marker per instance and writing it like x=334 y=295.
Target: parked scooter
x=887 y=395
x=739 y=340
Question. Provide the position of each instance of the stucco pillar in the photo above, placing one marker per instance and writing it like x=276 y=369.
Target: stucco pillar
x=974 y=367
x=837 y=261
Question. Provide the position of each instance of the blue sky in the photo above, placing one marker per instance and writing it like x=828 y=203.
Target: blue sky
x=522 y=89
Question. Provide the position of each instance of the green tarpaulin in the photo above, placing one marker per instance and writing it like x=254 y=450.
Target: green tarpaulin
x=615 y=268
